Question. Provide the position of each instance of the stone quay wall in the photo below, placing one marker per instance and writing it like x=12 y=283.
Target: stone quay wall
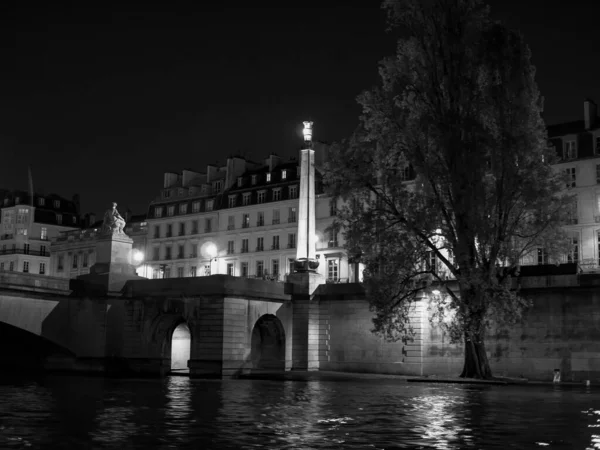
x=560 y=331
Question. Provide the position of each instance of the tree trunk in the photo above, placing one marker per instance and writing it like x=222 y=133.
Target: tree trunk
x=476 y=360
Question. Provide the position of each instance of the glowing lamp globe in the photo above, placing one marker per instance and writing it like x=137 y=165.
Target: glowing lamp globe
x=307 y=131
x=138 y=256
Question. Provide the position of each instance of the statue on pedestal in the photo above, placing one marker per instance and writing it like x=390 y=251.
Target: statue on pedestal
x=113 y=222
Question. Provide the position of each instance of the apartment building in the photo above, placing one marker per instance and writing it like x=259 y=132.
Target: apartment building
x=577 y=145
x=238 y=219
x=27 y=226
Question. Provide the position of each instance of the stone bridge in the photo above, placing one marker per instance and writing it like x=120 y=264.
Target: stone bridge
x=231 y=325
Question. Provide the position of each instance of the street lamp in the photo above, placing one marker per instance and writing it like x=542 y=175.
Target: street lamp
x=307 y=133
x=138 y=256
x=211 y=251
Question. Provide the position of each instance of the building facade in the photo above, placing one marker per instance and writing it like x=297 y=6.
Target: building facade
x=27 y=227
x=239 y=219
x=73 y=253
x=577 y=145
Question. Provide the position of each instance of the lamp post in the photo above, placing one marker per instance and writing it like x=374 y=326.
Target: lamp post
x=305 y=254
x=211 y=251
x=138 y=259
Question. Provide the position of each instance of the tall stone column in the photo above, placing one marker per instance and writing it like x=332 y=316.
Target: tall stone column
x=305 y=280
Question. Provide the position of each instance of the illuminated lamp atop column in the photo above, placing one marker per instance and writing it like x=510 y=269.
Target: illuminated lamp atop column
x=306 y=248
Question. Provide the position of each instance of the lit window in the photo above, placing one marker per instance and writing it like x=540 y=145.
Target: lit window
x=333 y=270
x=283 y=174
x=573 y=255
x=268 y=177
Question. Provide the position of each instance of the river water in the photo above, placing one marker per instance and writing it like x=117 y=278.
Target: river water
x=61 y=412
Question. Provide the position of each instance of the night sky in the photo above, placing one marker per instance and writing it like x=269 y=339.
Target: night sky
x=101 y=100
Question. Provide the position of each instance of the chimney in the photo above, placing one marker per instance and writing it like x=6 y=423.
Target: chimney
x=590 y=111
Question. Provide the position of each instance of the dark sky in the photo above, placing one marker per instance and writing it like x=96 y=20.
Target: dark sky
x=102 y=98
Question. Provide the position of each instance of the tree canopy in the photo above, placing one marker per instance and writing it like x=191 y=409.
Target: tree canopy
x=449 y=173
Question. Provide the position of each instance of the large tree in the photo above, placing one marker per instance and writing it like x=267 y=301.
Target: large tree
x=449 y=167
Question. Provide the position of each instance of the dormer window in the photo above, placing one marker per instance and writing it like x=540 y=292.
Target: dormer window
x=166 y=193
x=232 y=201
x=17 y=200
x=268 y=177
x=158 y=211
x=41 y=201
x=253 y=179
x=283 y=174
x=218 y=186
x=570 y=150
x=240 y=181
x=57 y=203
x=181 y=191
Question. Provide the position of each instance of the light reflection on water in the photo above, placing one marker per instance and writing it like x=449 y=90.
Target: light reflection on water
x=77 y=412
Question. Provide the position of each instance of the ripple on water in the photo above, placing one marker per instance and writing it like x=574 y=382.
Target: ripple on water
x=69 y=412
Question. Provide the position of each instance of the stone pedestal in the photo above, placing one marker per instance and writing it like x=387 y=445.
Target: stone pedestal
x=113 y=266
x=305 y=328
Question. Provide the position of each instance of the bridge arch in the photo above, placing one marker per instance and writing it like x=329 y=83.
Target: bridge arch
x=268 y=344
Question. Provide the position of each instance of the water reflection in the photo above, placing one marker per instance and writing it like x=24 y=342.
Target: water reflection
x=69 y=412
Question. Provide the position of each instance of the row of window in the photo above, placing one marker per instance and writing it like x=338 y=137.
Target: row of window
x=75 y=261
x=41 y=202
x=182 y=208
x=260 y=218
x=168 y=254
x=244 y=270
x=569 y=150
x=261 y=196
x=25 y=267
x=571 y=175
x=208 y=228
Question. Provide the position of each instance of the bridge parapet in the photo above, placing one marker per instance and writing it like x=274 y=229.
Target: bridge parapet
x=33 y=282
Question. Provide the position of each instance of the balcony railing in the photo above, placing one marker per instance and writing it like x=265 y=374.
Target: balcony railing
x=208 y=229
x=260 y=223
x=292 y=219
x=259 y=248
x=245 y=225
x=5 y=237
x=231 y=227
x=244 y=249
x=291 y=245
x=275 y=247
x=332 y=244
x=275 y=222
x=21 y=251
